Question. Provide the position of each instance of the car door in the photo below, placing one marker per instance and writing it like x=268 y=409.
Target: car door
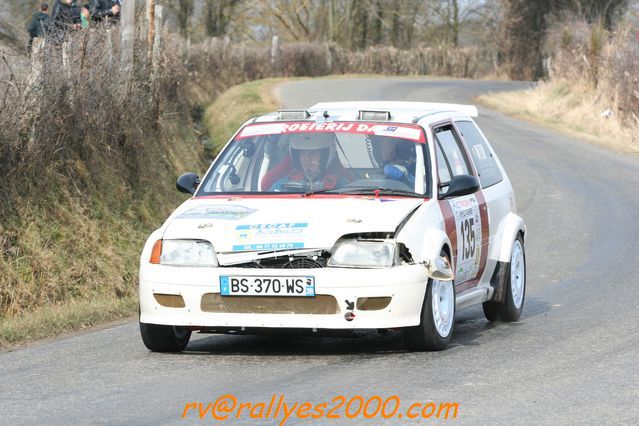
x=465 y=217
x=497 y=190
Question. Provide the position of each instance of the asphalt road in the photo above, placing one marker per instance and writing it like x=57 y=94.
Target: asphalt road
x=573 y=358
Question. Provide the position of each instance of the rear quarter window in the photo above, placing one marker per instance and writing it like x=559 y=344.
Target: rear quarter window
x=485 y=163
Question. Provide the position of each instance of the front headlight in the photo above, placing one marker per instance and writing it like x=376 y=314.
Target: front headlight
x=188 y=253
x=364 y=254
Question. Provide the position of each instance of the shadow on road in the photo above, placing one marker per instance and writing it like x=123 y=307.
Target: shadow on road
x=471 y=329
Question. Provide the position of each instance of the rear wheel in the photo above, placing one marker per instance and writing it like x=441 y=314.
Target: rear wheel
x=513 y=278
x=437 y=319
x=164 y=338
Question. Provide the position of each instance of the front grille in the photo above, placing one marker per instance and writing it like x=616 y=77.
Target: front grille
x=319 y=305
x=287 y=262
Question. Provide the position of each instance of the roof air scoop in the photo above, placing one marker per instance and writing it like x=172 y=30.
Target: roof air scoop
x=293 y=114
x=374 y=115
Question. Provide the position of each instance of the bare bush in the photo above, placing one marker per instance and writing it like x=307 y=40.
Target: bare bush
x=619 y=73
x=442 y=61
x=607 y=62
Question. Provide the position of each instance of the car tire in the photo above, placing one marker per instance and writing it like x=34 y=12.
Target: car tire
x=164 y=338
x=437 y=318
x=513 y=280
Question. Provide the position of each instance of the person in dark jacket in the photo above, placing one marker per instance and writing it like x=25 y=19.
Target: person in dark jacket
x=40 y=24
x=104 y=10
x=66 y=15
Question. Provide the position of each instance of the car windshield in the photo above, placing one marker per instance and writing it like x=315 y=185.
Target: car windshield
x=330 y=157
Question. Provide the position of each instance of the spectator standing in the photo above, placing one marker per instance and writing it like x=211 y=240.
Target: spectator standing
x=40 y=24
x=105 y=10
x=85 y=15
x=66 y=15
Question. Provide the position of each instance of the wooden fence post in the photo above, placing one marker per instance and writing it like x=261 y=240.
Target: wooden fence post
x=150 y=35
x=157 y=41
x=127 y=39
x=66 y=59
x=35 y=84
x=109 y=43
x=329 y=58
x=36 y=60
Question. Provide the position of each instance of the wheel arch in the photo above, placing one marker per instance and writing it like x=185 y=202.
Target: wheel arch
x=433 y=243
x=513 y=226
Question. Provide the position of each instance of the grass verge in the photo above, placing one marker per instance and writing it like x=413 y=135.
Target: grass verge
x=570 y=107
x=238 y=104
x=69 y=316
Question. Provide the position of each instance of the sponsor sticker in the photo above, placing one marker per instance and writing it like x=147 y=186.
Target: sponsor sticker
x=269 y=236
x=226 y=212
x=480 y=153
x=469 y=237
x=267 y=246
x=404 y=131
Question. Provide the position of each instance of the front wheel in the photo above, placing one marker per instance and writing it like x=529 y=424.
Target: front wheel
x=164 y=338
x=437 y=319
x=513 y=278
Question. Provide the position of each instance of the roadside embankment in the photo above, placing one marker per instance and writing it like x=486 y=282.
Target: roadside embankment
x=592 y=92
x=572 y=108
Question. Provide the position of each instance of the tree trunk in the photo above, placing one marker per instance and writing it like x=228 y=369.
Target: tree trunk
x=395 y=29
x=522 y=37
x=359 y=25
x=455 y=23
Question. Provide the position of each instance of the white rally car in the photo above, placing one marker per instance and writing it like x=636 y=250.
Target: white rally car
x=348 y=215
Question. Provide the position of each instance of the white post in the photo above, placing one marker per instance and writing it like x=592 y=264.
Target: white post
x=225 y=48
x=274 y=53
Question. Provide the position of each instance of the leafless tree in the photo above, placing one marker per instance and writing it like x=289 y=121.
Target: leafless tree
x=218 y=15
x=521 y=39
x=183 y=11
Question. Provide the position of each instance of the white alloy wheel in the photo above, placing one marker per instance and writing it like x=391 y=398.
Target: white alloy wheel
x=511 y=280
x=443 y=306
x=517 y=274
x=437 y=320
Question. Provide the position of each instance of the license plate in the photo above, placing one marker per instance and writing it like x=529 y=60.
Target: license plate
x=242 y=285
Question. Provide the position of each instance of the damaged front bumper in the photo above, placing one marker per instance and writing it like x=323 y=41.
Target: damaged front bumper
x=344 y=298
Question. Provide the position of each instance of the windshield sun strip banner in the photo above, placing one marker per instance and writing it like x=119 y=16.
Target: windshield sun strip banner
x=403 y=131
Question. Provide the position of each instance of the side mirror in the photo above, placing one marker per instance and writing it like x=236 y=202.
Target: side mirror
x=188 y=183
x=439 y=269
x=462 y=185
